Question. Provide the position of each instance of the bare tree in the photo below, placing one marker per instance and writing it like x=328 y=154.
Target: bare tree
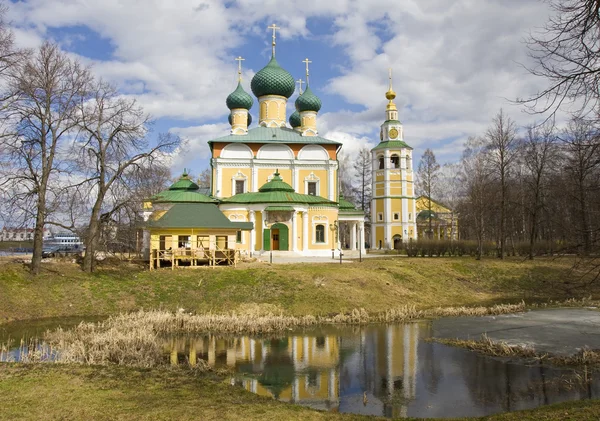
x=204 y=179
x=538 y=150
x=581 y=155
x=428 y=173
x=363 y=166
x=450 y=190
x=501 y=142
x=476 y=178
x=114 y=142
x=48 y=88
x=567 y=53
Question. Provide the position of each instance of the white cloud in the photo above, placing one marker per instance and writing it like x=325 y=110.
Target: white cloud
x=455 y=62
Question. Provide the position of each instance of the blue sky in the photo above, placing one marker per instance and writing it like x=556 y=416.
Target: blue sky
x=456 y=62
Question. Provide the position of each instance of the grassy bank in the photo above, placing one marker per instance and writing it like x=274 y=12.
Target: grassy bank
x=296 y=289
x=55 y=391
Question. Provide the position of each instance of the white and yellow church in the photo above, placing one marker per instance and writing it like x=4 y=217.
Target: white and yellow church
x=275 y=187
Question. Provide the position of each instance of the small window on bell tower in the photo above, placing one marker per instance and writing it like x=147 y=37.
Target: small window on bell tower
x=395 y=160
x=381 y=163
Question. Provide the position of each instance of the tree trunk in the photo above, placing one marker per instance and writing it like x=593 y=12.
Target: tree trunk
x=38 y=235
x=89 y=261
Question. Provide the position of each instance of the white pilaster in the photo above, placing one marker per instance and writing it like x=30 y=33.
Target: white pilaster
x=330 y=186
x=295 y=231
x=219 y=183
x=254 y=178
x=305 y=231
x=353 y=236
x=253 y=232
x=295 y=181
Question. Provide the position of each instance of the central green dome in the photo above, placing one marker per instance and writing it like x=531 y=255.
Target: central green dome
x=308 y=101
x=273 y=80
x=276 y=184
x=239 y=99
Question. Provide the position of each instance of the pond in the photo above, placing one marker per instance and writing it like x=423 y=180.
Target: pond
x=386 y=370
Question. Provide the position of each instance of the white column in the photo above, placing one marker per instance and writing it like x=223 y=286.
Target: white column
x=252 y=233
x=295 y=231
x=361 y=227
x=305 y=231
x=353 y=237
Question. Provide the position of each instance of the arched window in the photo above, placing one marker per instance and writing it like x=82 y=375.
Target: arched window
x=320 y=233
x=395 y=160
x=381 y=163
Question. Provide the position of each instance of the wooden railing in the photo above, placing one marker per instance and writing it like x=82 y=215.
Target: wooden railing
x=196 y=257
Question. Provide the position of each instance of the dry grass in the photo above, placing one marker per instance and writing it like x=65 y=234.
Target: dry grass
x=486 y=346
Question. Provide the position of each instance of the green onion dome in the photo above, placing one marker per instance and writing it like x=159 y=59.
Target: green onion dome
x=231 y=120
x=308 y=101
x=295 y=119
x=273 y=80
x=239 y=99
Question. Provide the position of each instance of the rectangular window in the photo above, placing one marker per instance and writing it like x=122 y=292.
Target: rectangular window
x=203 y=242
x=320 y=234
x=380 y=216
x=312 y=188
x=222 y=243
x=410 y=216
x=239 y=186
x=238 y=237
x=183 y=242
x=164 y=242
x=396 y=216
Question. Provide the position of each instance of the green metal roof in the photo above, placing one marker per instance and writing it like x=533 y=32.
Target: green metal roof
x=308 y=101
x=197 y=215
x=278 y=191
x=391 y=144
x=347 y=208
x=273 y=80
x=239 y=98
x=177 y=196
x=279 y=208
x=273 y=135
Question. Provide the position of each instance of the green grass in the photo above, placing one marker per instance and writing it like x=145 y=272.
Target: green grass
x=63 y=289
x=54 y=391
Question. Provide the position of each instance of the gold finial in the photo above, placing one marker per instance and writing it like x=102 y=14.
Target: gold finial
x=274 y=28
x=306 y=61
x=300 y=82
x=239 y=59
x=390 y=94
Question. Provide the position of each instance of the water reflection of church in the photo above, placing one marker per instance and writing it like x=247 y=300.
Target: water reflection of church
x=306 y=369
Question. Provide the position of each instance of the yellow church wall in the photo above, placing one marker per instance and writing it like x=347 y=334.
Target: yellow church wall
x=258 y=230
x=320 y=174
x=396 y=190
x=155 y=235
x=265 y=173
x=397 y=230
x=300 y=227
x=378 y=206
x=324 y=216
x=379 y=176
x=227 y=175
x=379 y=190
x=422 y=204
x=379 y=236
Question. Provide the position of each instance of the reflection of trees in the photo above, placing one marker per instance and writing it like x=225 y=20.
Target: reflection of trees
x=278 y=372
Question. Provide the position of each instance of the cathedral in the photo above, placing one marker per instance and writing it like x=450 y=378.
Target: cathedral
x=275 y=186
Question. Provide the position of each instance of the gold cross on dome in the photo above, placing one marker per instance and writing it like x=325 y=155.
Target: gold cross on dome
x=300 y=82
x=239 y=59
x=306 y=61
x=390 y=76
x=274 y=28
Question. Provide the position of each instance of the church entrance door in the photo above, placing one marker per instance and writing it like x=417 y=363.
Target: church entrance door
x=279 y=236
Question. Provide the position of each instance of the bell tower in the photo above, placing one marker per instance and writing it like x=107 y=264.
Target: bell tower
x=393 y=205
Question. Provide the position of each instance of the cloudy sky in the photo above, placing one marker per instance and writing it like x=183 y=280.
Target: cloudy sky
x=455 y=62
